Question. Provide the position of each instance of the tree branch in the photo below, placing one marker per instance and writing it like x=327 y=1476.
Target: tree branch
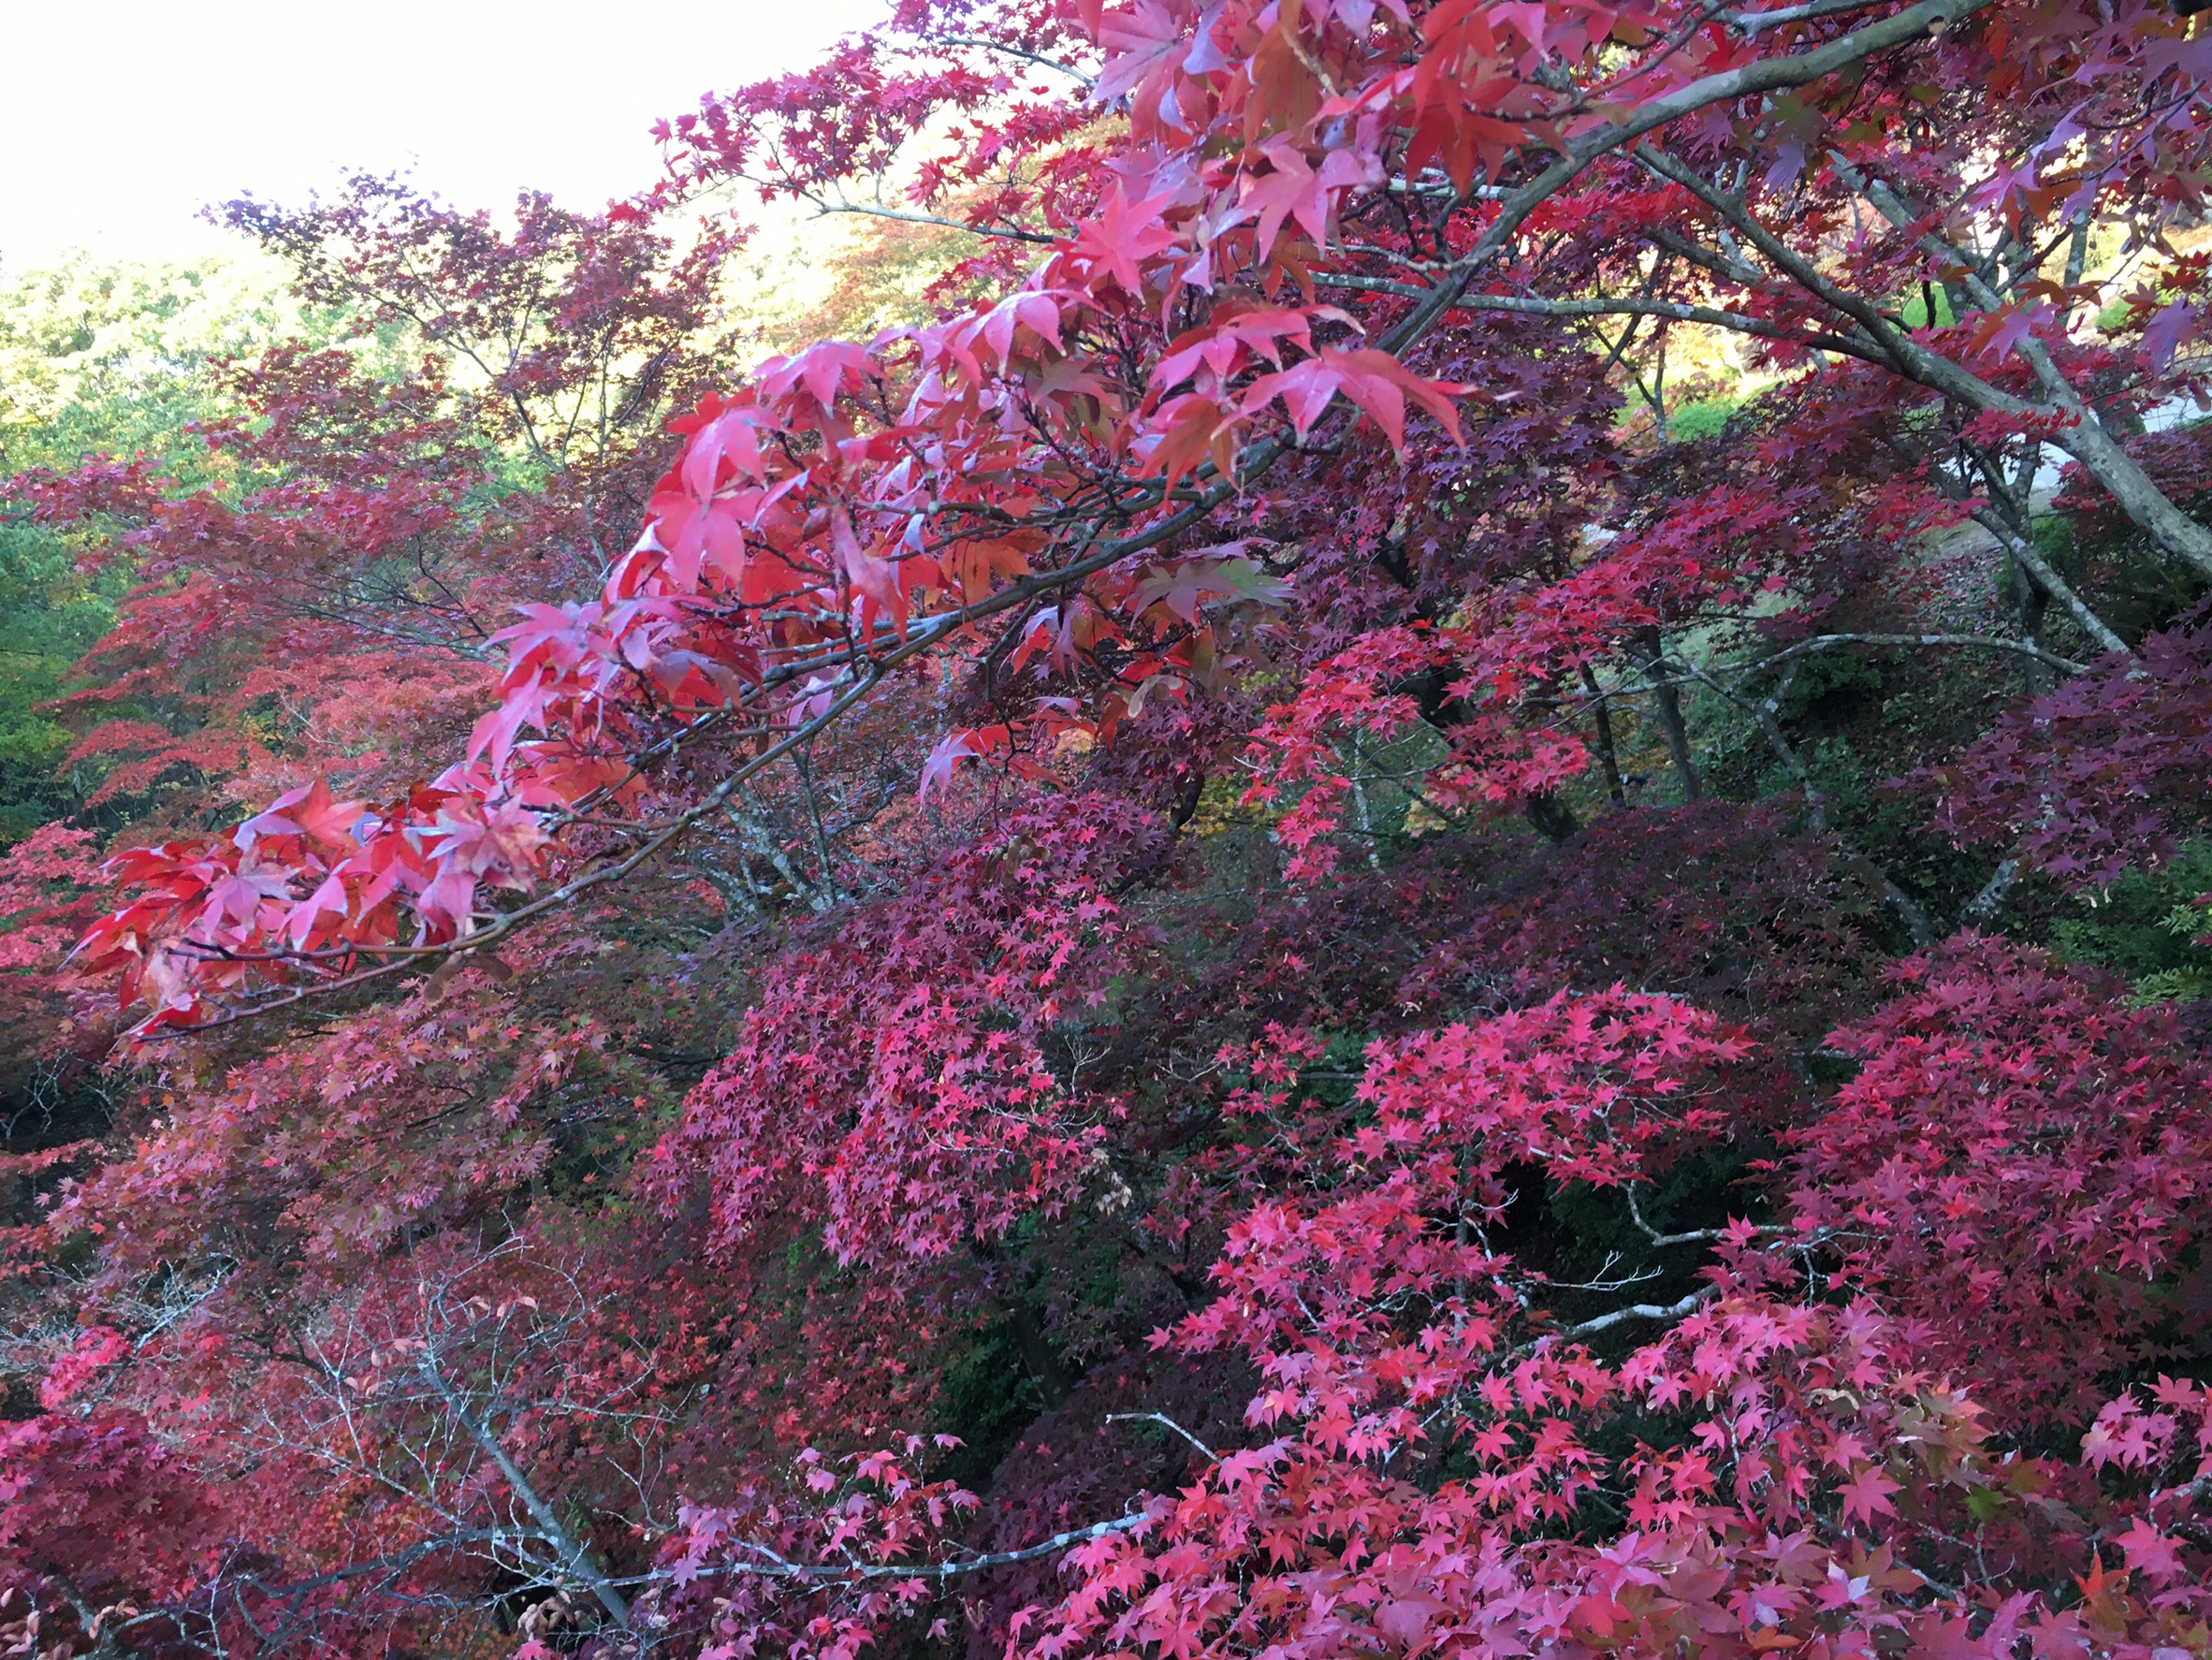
x=577 y=1559
x=1748 y=80
x=1981 y=642
x=778 y=1568
x=875 y=211
x=2086 y=440
x=1639 y=1311
x=1165 y=1422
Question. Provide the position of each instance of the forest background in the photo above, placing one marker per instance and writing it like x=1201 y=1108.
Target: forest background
x=1173 y=829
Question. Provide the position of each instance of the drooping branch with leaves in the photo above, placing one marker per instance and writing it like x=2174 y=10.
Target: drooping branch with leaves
x=1178 y=963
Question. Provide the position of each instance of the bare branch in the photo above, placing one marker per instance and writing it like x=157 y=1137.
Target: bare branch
x=778 y=1568
x=2024 y=554
x=2085 y=439
x=876 y=210
x=1166 y=1422
x=1085 y=82
x=1754 y=22
x=574 y=1556
x=1972 y=642
x=1694 y=1236
x=1639 y=1311
x=1985 y=905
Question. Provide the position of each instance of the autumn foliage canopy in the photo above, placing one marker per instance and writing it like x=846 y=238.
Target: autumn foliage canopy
x=1230 y=942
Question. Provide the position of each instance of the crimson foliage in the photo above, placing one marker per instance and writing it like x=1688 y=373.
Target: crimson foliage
x=1202 y=959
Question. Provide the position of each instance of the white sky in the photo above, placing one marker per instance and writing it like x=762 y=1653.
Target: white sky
x=120 y=120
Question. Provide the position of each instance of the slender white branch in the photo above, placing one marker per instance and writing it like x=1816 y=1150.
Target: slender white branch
x=1165 y=1422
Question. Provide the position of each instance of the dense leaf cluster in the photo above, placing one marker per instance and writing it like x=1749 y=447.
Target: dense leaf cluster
x=1337 y=922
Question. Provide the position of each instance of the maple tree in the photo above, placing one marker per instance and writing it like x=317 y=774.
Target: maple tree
x=1196 y=958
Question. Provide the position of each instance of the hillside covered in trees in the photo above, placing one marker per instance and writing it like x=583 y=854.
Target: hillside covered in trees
x=1362 y=828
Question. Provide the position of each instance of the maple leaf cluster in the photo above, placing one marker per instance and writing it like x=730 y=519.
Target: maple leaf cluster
x=1194 y=960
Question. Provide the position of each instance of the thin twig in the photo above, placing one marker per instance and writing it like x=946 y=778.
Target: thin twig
x=1165 y=1422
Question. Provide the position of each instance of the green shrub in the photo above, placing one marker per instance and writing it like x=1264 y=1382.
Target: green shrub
x=2145 y=926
